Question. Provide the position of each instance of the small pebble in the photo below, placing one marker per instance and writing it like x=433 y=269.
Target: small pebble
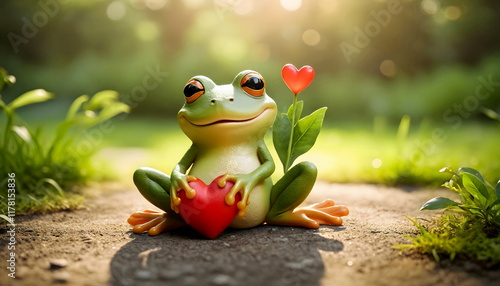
x=57 y=263
x=281 y=239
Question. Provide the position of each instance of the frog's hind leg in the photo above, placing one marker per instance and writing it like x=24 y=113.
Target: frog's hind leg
x=291 y=190
x=154 y=186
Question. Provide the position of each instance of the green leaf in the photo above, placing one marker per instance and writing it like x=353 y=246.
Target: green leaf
x=75 y=106
x=87 y=119
x=298 y=111
x=438 y=203
x=102 y=99
x=112 y=110
x=471 y=171
x=281 y=136
x=30 y=97
x=475 y=187
x=306 y=132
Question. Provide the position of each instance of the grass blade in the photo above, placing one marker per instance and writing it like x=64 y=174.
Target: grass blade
x=8 y=219
x=102 y=99
x=30 y=97
x=75 y=106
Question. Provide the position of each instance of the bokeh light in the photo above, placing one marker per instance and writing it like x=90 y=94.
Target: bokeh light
x=155 y=4
x=430 y=6
x=376 y=163
x=243 y=7
x=388 y=68
x=116 y=10
x=291 y=5
x=453 y=13
x=311 y=37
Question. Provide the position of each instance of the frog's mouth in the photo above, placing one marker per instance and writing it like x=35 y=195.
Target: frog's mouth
x=228 y=121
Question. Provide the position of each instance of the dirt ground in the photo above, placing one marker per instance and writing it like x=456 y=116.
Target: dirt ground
x=94 y=246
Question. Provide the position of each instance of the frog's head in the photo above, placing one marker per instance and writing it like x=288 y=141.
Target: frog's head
x=227 y=114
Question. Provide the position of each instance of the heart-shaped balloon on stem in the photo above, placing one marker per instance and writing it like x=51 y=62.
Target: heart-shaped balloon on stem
x=297 y=80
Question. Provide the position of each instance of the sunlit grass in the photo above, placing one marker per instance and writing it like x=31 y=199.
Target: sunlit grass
x=42 y=171
x=470 y=227
x=348 y=153
x=451 y=236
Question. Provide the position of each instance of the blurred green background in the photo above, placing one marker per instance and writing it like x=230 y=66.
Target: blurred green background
x=376 y=61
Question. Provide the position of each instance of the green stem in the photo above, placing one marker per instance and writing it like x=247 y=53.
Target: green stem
x=8 y=127
x=289 y=152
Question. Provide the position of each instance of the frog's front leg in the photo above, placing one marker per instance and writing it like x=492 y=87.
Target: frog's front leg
x=291 y=190
x=244 y=184
x=155 y=187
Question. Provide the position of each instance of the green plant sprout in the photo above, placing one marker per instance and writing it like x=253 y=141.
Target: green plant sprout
x=293 y=135
x=45 y=169
x=480 y=201
x=471 y=226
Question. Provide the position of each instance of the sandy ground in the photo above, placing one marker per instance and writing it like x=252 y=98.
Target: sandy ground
x=94 y=246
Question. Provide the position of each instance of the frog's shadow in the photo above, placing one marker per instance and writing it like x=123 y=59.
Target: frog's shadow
x=264 y=255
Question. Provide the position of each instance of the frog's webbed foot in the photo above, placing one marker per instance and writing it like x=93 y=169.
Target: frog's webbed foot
x=153 y=222
x=312 y=216
x=325 y=212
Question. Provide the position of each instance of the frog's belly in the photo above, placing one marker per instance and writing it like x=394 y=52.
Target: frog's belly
x=257 y=209
x=241 y=162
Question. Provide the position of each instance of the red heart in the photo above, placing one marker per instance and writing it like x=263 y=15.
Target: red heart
x=208 y=212
x=297 y=80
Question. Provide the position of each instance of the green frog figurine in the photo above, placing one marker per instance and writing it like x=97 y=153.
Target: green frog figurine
x=227 y=124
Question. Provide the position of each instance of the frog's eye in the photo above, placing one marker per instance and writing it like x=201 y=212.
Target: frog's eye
x=253 y=84
x=193 y=90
